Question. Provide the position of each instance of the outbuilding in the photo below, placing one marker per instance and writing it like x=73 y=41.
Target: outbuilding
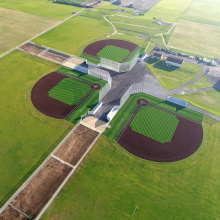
x=173 y=61
x=157 y=56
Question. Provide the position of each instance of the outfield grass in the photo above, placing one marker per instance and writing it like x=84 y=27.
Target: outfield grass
x=91 y=101
x=16 y=27
x=40 y=7
x=75 y=34
x=69 y=91
x=114 y=53
x=112 y=183
x=202 y=83
x=169 y=10
x=197 y=38
x=172 y=77
x=141 y=42
x=155 y=124
x=124 y=114
x=210 y=100
x=26 y=135
x=203 y=11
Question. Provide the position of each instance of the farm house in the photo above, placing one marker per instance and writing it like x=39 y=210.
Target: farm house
x=173 y=61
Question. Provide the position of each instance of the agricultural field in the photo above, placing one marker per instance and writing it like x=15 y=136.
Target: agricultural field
x=43 y=8
x=113 y=183
x=172 y=77
x=69 y=91
x=209 y=100
x=124 y=114
x=16 y=27
x=202 y=11
x=197 y=38
x=114 y=53
x=75 y=34
x=155 y=124
x=27 y=136
x=169 y=10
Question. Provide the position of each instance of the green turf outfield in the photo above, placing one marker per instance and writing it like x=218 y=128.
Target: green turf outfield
x=124 y=114
x=112 y=184
x=27 y=136
x=155 y=124
x=69 y=91
x=91 y=101
x=114 y=53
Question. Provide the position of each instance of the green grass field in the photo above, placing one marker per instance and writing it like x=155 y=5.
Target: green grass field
x=90 y=59
x=209 y=100
x=91 y=101
x=203 y=11
x=155 y=124
x=75 y=34
x=150 y=47
x=202 y=83
x=112 y=183
x=124 y=114
x=69 y=91
x=114 y=53
x=187 y=34
x=26 y=135
x=43 y=8
x=172 y=77
x=169 y=10
x=16 y=27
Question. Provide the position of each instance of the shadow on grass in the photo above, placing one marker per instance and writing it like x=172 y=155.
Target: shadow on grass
x=162 y=66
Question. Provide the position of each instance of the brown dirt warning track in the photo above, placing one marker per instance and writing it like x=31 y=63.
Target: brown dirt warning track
x=186 y=141
x=97 y=46
x=50 y=106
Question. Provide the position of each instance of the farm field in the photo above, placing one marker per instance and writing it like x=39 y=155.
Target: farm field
x=172 y=77
x=114 y=53
x=209 y=100
x=16 y=27
x=202 y=83
x=187 y=34
x=169 y=10
x=75 y=34
x=206 y=12
x=128 y=109
x=155 y=124
x=113 y=183
x=43 y=8
x=27 y=136
x=69 y=91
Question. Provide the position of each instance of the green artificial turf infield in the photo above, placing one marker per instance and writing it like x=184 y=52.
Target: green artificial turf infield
x=69 y=91
x=155 y=124
x=114 y=53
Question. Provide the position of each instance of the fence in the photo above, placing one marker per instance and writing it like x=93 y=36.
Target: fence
x=104 y=75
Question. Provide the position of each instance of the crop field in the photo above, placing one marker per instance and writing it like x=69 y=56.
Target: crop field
x=75 y=34
x=209 y=100
x=169 y=10
x=16 y=27
x=43 y=8
x=27 y=136
x=69 y=91
x=172 y=77
x=206 y=12
x=196 y=37
x=113 y=183
x=155 y=124
x=114 y=53
x=124 y=114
